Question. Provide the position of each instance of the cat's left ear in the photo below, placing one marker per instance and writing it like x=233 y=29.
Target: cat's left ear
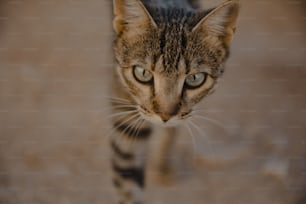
x=221 y=21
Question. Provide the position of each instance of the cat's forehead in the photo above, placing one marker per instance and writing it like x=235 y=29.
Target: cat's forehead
x=172 y=69
x=172 y=40
x=171 y=49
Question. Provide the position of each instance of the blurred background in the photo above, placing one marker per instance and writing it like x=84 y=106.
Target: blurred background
x=55 y=67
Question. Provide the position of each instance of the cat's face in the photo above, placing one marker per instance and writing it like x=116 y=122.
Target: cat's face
x=168 y=66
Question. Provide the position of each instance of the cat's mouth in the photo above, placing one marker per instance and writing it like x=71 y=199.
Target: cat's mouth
x=164 y=119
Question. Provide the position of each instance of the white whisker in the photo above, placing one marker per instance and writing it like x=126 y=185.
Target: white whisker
x=120 y=100
x=122 y=113
x=128 y=129
x=124 y=106
x=137 y=126
x=206 y=110
x=210 y=120
x=192 y=136
x=117 y=99
x=200 y=130
x=115 y=103
x=116 y=106
x=132 y=117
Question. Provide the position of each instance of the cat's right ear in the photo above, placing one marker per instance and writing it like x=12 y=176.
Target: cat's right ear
x=221 y=21
x=131 y=15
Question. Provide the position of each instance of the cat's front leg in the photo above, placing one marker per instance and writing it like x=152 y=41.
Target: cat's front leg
x=165 y=153
x=129 y=145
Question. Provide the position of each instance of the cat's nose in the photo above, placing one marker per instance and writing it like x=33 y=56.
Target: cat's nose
x=165 y=117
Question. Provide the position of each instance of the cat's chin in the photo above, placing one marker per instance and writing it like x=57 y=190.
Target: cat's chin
x=167 y=124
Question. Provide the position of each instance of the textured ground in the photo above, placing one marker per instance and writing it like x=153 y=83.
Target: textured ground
x=55 y=62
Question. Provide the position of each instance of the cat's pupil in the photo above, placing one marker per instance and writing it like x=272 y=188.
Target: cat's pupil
x=195 y=80
x=144 y=73
x=141 y=74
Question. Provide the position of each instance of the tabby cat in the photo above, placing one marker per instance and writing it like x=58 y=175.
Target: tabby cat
x=169 y=55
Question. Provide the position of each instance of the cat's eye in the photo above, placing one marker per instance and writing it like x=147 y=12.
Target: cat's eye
x=195 y=80
x=142 y=75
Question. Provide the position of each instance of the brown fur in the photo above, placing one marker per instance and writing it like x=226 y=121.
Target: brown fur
x=171 y=43
x=184 y=41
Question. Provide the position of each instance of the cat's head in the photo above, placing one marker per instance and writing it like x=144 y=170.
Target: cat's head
x=169 y=59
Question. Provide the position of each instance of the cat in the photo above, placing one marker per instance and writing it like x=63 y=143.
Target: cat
x=169 y=55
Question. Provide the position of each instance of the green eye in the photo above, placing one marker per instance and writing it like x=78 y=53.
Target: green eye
x=142 y=75
x=195 y=80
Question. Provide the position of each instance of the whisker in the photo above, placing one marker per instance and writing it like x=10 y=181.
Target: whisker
x=206 y=110
x=123 y=105
x=135 y=133
x=129 y=127
x=215 y=122
x=192 y=136
x=132 y=117
x=199 y=109
x=124 y=116
x=121 y=113
x=112 y=107
x=140 y=126
x=200 y=130
x=116 y=98
x=115 y=101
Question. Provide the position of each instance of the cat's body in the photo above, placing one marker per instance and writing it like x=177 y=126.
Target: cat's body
x=169 y=55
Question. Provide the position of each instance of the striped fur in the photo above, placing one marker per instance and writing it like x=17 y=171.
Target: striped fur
x=170 y=41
